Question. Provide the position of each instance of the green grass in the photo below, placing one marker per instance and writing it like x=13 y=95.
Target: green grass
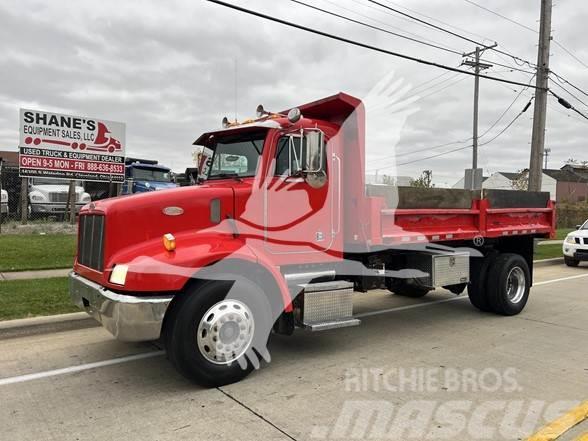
x=548 y=251
x=19 y=252
x=30 y=298
x=563 y=232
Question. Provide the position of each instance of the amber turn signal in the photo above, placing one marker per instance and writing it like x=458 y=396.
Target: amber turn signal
x=169 y=242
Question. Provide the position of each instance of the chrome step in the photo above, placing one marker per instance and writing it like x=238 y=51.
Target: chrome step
x=334 y=324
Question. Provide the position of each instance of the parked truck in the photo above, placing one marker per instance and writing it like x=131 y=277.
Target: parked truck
x=280 y=232
x=48 y=196
x=143 y=175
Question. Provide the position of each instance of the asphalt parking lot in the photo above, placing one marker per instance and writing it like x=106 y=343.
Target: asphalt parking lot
x=393 y=377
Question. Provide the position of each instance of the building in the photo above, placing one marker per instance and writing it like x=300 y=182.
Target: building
x=568 y=184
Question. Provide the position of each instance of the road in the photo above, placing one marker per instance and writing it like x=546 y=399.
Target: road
x=407 y=363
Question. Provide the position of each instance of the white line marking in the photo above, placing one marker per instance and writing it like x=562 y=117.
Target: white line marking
x=79 y=368
x=114 y=361
x=547 y=282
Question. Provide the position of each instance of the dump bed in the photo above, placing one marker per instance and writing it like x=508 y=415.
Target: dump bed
x=412 y=215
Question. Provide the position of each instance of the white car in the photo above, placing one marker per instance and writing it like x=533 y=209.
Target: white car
x=575 y=246
x=3 y=204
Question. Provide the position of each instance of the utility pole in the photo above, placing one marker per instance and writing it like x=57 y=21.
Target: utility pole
x=477 y=68
x=539 y=115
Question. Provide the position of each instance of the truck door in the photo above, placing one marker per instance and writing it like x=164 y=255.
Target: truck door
x=299 y=218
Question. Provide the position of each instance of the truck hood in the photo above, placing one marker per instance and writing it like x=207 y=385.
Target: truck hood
x=132 y=221
x=579 y=233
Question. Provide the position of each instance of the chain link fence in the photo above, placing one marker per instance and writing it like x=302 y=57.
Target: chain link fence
x=43 y=201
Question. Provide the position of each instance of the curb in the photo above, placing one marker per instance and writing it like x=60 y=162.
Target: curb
x=34 y=275
x=81 y=320
x=548 y=262
x=46 y=325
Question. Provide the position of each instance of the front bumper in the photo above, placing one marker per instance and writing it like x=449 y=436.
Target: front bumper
x=128 y=318
x=49 y=208
x=575 y=251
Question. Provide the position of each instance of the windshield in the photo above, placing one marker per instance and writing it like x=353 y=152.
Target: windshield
x=147 y=174
x=585 y=226
x=237 y=155
x=49 y=181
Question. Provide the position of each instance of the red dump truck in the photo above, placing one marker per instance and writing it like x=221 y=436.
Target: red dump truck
x=280 y=232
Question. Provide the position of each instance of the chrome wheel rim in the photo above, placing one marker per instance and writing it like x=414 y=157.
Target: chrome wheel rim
x=225 y=331
x=515 y=285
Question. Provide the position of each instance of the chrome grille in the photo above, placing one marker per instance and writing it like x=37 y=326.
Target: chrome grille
x=58 y=197
x=91 y=241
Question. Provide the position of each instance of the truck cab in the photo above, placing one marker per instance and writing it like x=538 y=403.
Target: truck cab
x=48 y=196
x=281 y=233
x=142 y=175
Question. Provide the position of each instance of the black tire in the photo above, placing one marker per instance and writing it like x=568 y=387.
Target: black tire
x=477 y=287
x=406 y=288
x=570 y=261
x=181 y=331
x=500 y=287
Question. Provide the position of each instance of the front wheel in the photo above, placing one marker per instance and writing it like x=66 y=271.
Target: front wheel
x=570 y=261
x=219 y=332
x=509 y=284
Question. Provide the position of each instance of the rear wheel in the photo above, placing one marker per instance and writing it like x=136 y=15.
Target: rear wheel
x=570 y=261
x=218 y=333
x=477 y=287
x=509 y=284
x=406 y=288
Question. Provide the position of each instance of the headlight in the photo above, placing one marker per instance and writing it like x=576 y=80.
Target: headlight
x=36 y=198
x=119 y=274
x=570 y=239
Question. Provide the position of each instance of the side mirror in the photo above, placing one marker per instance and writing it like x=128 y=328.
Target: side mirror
x=578 y=227
x=313 y=162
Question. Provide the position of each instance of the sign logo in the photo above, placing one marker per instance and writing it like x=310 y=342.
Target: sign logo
x=173 y=211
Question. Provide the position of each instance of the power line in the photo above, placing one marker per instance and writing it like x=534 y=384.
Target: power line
x=375 y=20
x=501 y=16
x=566 y=104
x=568 y=82
x=508 y=126
x=352 y=20
x=557 y=83
x=439 y=21
x=561 y=46
x=359 y=44
x=447 y=31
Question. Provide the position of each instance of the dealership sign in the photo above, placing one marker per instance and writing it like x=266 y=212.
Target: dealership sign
x=71 y=147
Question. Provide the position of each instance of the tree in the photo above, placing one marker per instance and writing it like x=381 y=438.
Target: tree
x=424 y=181
x=521 y=182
